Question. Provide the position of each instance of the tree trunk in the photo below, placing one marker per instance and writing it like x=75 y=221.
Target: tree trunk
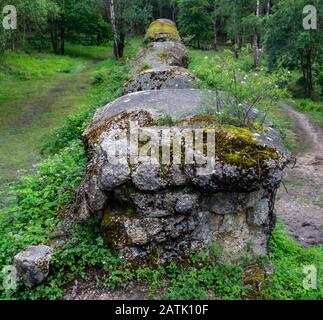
x=235 y=40
x=114 y=30
x=306 y=63
x=215 y=29
x=54 y=35
x=121 y=44
x=57 y=34
x=255 y=44
x=236 y=47
x=215 y=44
x=256 y=53
x=309 y=74
x=160 y=9
x=174 y=12
x=268 y=7
x=62 y=48
x=54 y=41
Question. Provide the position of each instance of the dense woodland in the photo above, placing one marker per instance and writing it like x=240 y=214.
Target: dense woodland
x=269 y=27
x=69 y=57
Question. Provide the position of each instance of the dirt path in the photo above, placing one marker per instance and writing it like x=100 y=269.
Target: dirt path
x=301 y=209
x=89 y=290
x=30 y=119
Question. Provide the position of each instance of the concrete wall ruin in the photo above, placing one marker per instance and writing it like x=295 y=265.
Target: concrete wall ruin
x=163 y=210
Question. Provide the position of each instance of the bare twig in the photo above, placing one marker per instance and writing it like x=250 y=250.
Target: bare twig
x=283 y=183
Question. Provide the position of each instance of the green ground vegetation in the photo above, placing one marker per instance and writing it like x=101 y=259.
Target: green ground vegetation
x=38 y=199
x=40 y=90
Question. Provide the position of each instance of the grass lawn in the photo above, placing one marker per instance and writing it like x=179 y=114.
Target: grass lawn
x=38 y=92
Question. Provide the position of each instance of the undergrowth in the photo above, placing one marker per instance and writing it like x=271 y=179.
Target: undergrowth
x=40 y=198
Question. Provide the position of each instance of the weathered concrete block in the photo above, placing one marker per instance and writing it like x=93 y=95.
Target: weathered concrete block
x=158 y=79
x=33 y=264
x=157 y=55
x=162 y=63
x=162 y=30
x=162 y=204
x=173 y=208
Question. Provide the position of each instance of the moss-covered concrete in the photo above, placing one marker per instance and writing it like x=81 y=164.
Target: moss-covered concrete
x=113 y=231
x=162 y=30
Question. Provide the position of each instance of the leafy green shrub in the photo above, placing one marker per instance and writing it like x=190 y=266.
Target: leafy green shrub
x=308 y=105
x=73 y=258
x=320 y=82
x=289 y=259
x=98 y=79
x=223 y=281
x=243 y=91
x=165 y=120
x=33 y=218
x=62 y=137
x=245 y=61
x=186 y=286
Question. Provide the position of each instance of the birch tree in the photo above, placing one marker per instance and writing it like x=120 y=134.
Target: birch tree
x=256 y=49
x=114 y=30
x=215 y=21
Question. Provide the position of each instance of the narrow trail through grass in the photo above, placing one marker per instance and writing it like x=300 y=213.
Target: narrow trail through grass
x=301 y=209
x=25 y=121
x=38 y=93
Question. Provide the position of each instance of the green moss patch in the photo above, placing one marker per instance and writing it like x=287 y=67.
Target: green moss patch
x=162 y=29
x=113 y=231
x=234 y=145
x=238 y=146
x=202 y=120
